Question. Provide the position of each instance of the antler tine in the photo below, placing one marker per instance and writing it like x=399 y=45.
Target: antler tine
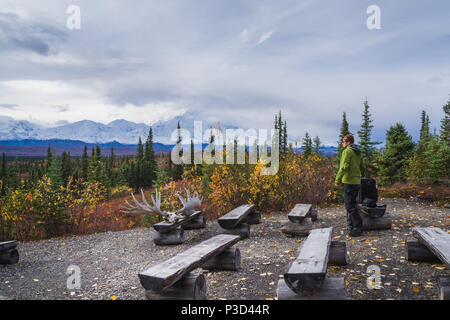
x=140 y=205
x=187 y=194
x=144 y=199
x=182 y=200
x=130 y=205
x=156 y=203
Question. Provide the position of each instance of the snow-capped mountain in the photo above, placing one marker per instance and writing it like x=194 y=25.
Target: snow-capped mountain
x=122 y=131
x=11 y=129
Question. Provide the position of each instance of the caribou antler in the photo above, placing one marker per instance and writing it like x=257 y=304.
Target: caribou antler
x=189 y=206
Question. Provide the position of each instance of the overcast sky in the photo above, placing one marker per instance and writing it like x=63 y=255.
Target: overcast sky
x=237 y=62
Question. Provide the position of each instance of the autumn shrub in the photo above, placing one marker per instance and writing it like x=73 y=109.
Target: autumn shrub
x=33 y=213
x=300 y=179
x=432 y=192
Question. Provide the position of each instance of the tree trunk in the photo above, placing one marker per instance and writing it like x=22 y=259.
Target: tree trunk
x=190 y=287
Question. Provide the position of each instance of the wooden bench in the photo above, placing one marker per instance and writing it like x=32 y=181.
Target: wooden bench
x=8 y=252
x=433 y=245
x=173 y=233
x=436 y=240
x=305 y=276
x=300 y=220
x=172 y=279
x=238 y=220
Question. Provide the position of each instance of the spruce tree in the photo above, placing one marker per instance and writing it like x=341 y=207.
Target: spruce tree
x=424 y=133
x=3 y=175
x=66 y=166
x=149 y=161
x=316 y=144
x=84 y=164
x=54 y=173
x=95 y=166
x=139 y=165
x=307 y=145
x=393 y=161
x=437 y=160
x=3 y=168
x=48 y=159
x=178 y=168
x=367 y=146
x=445 y=125
x=344 y=131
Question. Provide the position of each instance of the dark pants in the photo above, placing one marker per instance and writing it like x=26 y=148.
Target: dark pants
x=354 y=221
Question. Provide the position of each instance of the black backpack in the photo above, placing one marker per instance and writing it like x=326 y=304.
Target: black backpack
x=368 y=193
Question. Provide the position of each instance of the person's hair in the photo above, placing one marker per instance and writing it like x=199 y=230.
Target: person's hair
x=349 y=138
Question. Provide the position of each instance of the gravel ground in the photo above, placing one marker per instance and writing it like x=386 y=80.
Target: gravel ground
x=109 y=262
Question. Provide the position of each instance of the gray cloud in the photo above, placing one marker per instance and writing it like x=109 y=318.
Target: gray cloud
x=320 y=60
x=18 y=33
x=8 y=105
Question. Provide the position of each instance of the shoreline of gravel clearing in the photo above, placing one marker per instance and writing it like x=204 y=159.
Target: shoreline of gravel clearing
x=109 y=262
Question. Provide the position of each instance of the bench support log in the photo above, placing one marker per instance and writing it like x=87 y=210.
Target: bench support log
x=297 y=229
x=10 y=256
x=338 y=253
x=190 y=287
x=382 y=223
x=444 y=288
x=242 y=230
x=313 y=214
x=229 y=259
x=331 y=289
x=253 y=218
x=198 y=222
x=174 y=237
x=415 y=251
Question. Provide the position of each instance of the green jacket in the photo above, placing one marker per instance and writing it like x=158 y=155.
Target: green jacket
x=351 y=166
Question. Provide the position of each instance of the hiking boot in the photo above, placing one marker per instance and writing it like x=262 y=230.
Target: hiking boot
x=355 y=233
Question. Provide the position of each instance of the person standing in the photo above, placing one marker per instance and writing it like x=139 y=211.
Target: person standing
x=351 y=168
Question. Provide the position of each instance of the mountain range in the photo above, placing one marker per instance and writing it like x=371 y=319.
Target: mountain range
x=122 y=131
x=23 y=138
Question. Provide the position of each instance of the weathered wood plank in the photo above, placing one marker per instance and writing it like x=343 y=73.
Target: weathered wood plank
x=235 y=216
x=166 y=227
x=415 y=251
x=306 y=273
x=299 y=212
x=190 y=287
x=165 y=274
x=436 y=240
x=7 y=245
x=331 y=289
